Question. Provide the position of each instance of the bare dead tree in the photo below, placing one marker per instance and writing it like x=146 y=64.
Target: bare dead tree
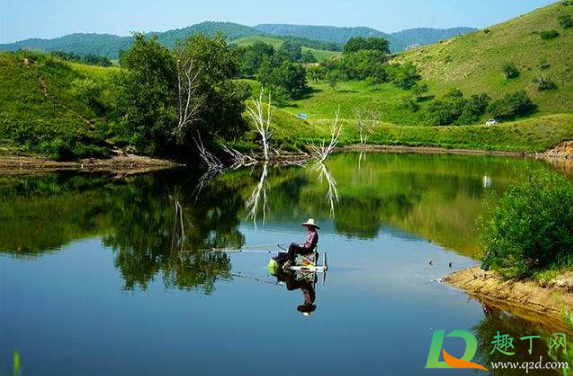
x=239 y=159
x=209 y=160
x=366 y=123
x=321 y=152
x=258 y=195
x=187 y=88
x=208 y=176
x=262 y=125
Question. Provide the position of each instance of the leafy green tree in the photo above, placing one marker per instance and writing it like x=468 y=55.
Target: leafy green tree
x=251 y=57
x=308 y=57
x=363 y=64
x=403 y=75
x=474 y=108
x=356 y=44
x=149 y=99
x=147 y=93
x=512 y=105
x=222 y=98
x=333 y=77
x=291 y=49
x=289 y=75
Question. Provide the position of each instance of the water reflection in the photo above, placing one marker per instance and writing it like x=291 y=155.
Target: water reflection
x=159 y=229
x=149 y=220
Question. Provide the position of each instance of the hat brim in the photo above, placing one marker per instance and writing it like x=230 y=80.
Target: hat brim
x=310 y=225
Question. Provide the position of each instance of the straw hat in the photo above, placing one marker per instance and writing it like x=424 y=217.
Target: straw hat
x=311 y=222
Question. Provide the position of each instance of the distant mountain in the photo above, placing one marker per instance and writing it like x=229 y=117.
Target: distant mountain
x=110 y=45
x=317 y=37
x=398 y=41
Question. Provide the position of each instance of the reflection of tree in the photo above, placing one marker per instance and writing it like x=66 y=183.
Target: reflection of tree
x=331 y=192
x=259 y=195
x=505 y=323
x=163 y=231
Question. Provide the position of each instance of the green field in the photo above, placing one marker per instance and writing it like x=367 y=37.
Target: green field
x=321 y=55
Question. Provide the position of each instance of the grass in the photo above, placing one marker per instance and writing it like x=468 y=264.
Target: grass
x=322 y=101
x=40 y=112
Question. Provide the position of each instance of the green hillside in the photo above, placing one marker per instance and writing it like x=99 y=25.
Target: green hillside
x=42 y=110
x=473 y=63
x=276 y=42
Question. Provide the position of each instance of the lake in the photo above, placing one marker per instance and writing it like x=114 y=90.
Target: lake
x=103 y=274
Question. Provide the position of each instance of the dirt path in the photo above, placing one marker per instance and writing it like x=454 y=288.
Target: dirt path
x=530 y=300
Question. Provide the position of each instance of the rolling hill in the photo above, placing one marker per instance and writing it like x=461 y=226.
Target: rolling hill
x=399 y=41
x=324 y=38
x=473 y=62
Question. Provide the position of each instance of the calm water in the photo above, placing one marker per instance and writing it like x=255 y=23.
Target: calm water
x=104 y=275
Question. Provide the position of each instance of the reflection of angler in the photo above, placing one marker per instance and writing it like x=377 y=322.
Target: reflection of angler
x=304 y=282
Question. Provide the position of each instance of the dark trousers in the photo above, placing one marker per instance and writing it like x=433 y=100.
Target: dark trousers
x=295 y=249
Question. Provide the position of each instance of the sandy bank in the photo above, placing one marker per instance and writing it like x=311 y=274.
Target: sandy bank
x=544 y=303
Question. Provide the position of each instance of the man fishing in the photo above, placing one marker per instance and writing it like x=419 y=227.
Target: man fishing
x=305 y=248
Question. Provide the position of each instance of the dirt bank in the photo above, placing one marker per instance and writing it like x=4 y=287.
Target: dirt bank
x=124 y=163
x=543 y=303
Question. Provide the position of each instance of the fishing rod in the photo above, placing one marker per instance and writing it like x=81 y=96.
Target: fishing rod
x=240 y=249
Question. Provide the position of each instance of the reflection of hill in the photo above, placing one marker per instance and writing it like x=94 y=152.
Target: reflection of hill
x=436 y=197
x=155 y=223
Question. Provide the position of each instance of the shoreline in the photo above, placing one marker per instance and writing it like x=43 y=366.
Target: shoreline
x=129 y=164
x=432 y=150
x=535 y=301
x=561 y=156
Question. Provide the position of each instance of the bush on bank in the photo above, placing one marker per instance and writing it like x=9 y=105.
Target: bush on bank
x=531 y=229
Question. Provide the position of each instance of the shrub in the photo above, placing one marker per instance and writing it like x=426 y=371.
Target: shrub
x=549 y=34
x=308 y=57
x=543 y=64
x=531 y=229
x=544 y=84
x=566 y=21
x=512 y=105
x=410 y=103
x=510 y=71
x=453 y=108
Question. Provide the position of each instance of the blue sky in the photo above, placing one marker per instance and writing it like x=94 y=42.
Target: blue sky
x=21 y=19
